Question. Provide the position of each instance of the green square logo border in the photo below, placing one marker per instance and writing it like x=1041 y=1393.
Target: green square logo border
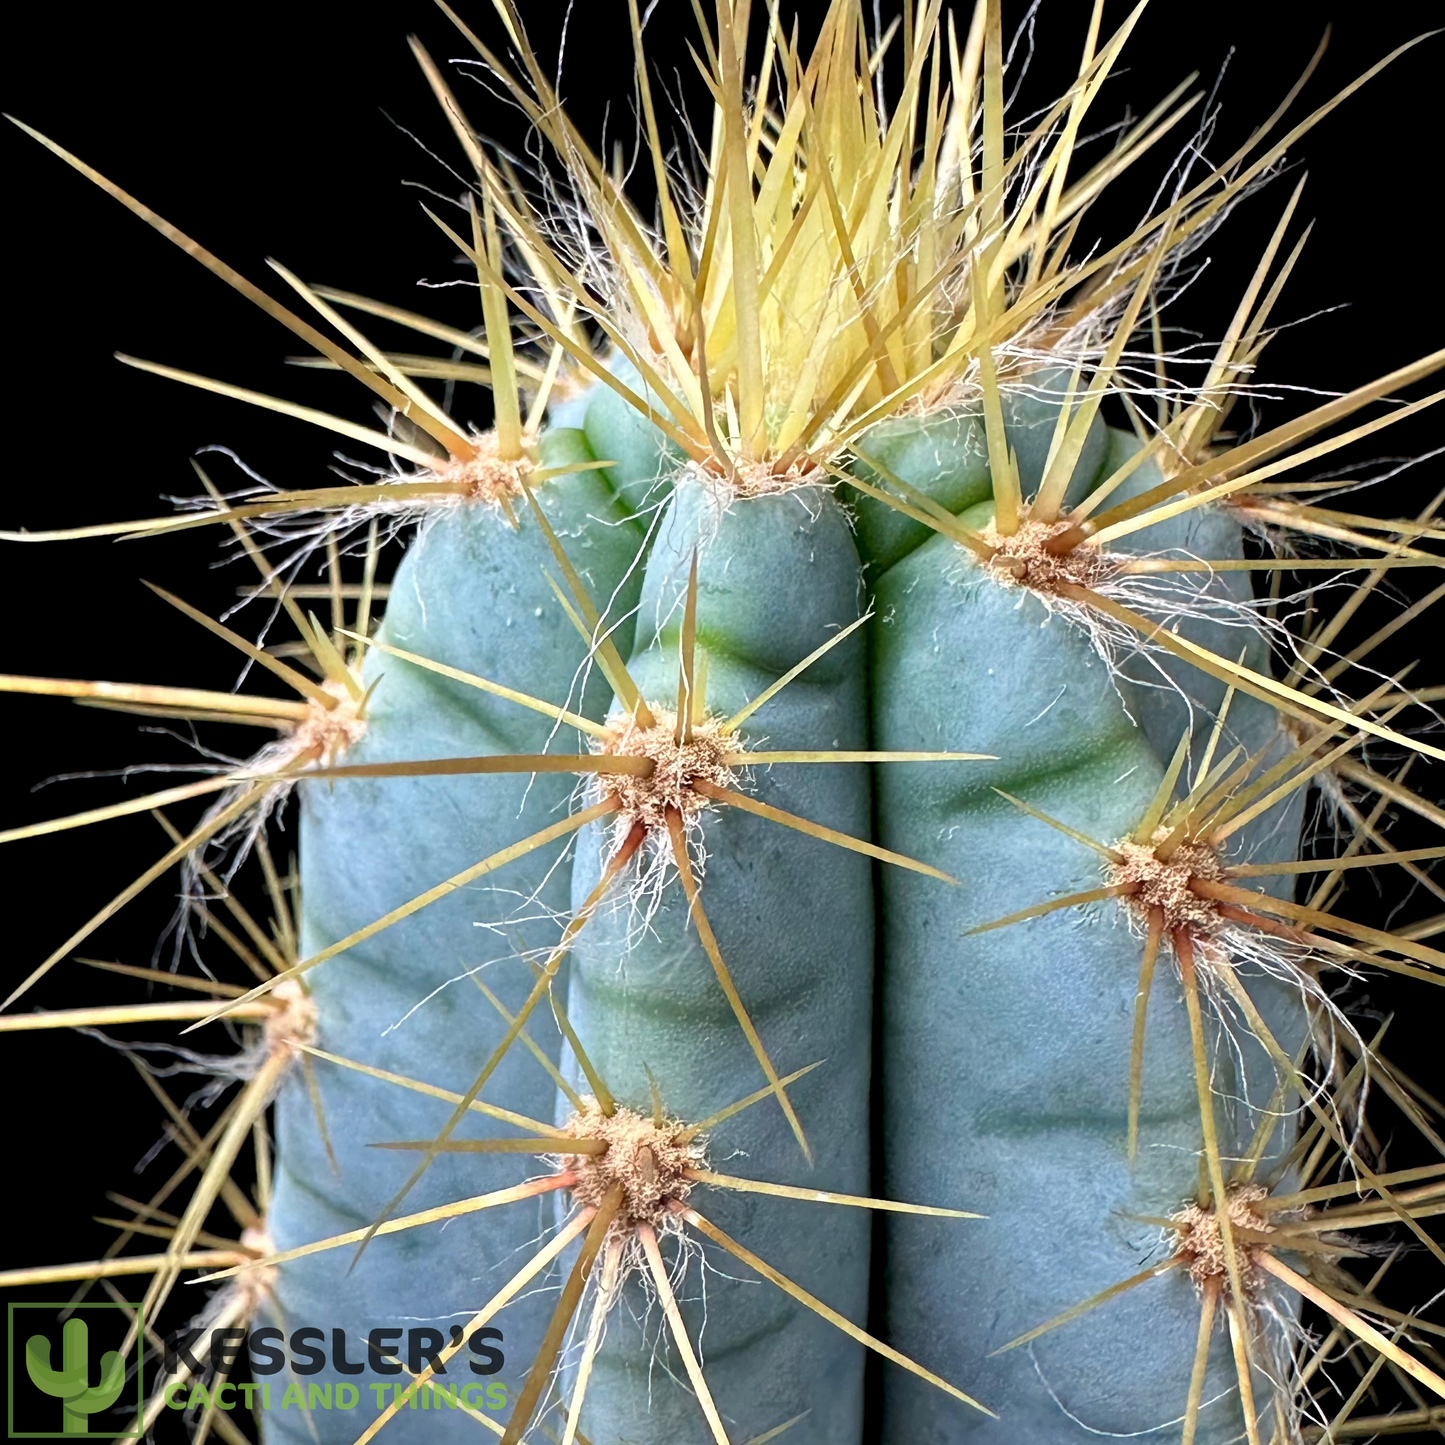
x=11 y=1341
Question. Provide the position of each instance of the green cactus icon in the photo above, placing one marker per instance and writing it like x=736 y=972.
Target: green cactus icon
x=70 y=1381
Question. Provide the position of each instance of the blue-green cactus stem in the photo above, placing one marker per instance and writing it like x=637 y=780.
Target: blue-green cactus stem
x=471 y=593
x=777 y=577
x=1168 y=695
x=945 y=456
x=643 y=459
x=1005 y=1058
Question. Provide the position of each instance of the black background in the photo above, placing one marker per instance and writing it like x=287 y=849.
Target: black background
x=291 y=130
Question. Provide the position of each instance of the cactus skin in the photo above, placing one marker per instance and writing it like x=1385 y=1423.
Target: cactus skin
x=793 y=917
x=982 y=1105
x=470 y=593
x=70 y=1383
x=642 y=457
x=946 y=455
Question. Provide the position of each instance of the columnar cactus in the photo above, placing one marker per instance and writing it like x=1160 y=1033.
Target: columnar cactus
x=811 y=763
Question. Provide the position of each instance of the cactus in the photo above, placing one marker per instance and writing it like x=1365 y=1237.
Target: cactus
x=1035 y=694
x=71 y=1382
x=811 y=764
